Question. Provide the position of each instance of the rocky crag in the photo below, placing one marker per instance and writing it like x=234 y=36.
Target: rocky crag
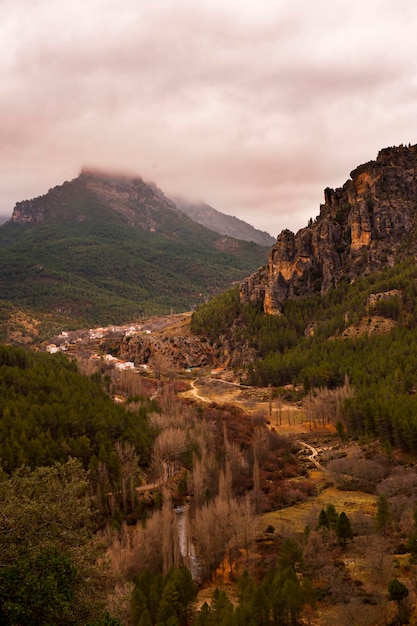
x=362 y=227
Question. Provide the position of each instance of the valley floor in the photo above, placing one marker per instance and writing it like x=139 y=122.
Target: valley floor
x=356 y=575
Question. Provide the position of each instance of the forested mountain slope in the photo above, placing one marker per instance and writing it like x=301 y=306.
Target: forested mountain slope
x=365 y=332
x=102 y=249
x=50 y=412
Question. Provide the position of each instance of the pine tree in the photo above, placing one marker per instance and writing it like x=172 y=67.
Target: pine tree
x=332 y=516
x=323 y=521
x=397 y=592
x=343 y=528
x=383 y=514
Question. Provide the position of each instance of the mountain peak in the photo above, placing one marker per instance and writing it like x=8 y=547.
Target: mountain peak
x=139 y=204
x=89 y=171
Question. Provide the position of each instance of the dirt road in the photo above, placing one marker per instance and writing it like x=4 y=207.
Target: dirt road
x=312 y=457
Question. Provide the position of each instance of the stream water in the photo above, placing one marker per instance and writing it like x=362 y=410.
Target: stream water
x=186 y=546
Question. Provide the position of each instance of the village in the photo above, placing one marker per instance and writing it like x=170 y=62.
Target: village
x=74 y=341
x=104 y=343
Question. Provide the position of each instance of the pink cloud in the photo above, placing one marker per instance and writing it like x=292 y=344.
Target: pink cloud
x=253 y=107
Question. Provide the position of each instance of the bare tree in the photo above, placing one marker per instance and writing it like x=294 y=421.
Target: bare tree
x=146 y=546
x=257 y=493
x=378 y=559
x=225 y=483
x=357 y=472
x=245 y=526
x=86 y=365
x=170 y=544
x=169 y=446
x=324 y=405
x=154 y=546
x=160 y=365
x=356 y=612
x=131 y=383
x=235 y=460
x=316 y=553
x=260 y=439
x=207 y=541
x=401 y=481
x=204 y=476
x=222 y=527
x=212 y=527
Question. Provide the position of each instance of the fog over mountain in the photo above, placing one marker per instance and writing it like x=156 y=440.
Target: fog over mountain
x=253 y=108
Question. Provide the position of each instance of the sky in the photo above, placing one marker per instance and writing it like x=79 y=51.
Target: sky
x=252 y=106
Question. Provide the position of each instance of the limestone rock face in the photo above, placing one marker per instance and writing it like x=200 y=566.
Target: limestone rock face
x=179 y=351
x=362 y=227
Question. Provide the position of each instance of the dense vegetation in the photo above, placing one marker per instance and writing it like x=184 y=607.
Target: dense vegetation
x=64 y=449
x=307 y=346
x=220 y=461
x=97 y=269
x=49 y=412
x=278 y=598
x=48 y=574
x=73 y=461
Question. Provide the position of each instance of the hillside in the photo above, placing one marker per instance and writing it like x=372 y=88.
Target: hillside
x=104 y=248
x=365 y=333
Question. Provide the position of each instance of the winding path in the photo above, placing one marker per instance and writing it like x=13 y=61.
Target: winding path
x=196 y=394
x=314 y=453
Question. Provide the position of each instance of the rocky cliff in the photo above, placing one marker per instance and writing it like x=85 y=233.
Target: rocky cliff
x=362 y=227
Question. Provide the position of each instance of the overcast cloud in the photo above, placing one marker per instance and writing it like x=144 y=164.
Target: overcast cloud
x=253 y=107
